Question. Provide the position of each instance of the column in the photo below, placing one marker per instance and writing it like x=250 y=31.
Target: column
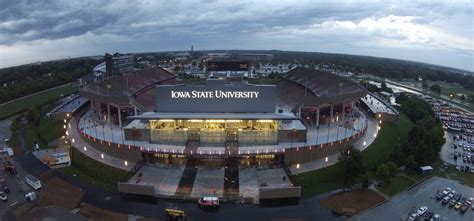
x=119 y=116
x=108 y=112
x=317 y=118
x=343 y=111
x=352 y=109
x=135 y=110
x=331 y=114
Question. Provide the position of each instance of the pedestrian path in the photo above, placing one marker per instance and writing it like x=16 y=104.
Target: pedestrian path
x=80 y=144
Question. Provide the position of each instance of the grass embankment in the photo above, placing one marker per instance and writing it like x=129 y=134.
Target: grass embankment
x=93 y=172
x=37 y=99
x=378 y=152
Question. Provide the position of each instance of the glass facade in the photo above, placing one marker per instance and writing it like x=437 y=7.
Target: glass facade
x=214 y=132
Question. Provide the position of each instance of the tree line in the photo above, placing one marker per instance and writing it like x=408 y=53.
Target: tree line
x=382 y=67
x=422 y=147
x=23 y=80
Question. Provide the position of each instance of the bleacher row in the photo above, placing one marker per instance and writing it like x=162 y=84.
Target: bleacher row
x=148 y=97
x=131 y=83
x=321 y=83
x=288 y=94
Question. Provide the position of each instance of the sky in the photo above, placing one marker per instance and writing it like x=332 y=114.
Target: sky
x=434 y=32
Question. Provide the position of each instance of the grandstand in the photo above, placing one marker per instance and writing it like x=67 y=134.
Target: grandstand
x=321 y=83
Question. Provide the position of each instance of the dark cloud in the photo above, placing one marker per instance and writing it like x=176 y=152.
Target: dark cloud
x=339 y=26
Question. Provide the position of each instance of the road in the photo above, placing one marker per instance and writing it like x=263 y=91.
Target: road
x=16 y=183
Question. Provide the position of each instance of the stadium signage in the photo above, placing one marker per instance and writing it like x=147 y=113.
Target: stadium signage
x=215 y=94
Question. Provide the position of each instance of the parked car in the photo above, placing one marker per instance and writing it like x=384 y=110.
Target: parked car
x=447 y=191
x=439 y=196
x=209 y=201
x=452 y=203
x=3 y=196
x=428 y=215
x=458 y=196
x=436 y=217
x=464 y=208
x=446 y=200
x=422 y=210
x=413 y=217
x=458 y=205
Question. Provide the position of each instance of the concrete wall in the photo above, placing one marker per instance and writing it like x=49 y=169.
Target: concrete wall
x=279 y=192
x=309 y=153
x=136 y=189
x=116 y=150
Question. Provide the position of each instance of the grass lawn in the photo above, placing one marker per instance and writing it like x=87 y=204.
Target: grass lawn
x=397 y=184
x=332 y=177
x=50 y=129
x=93 y=172
x=391 y=134
x=36 y=99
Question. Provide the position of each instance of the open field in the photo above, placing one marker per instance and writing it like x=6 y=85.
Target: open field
x=36 y=99
x=378 y=152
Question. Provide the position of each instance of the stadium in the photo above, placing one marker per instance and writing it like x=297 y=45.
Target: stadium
x=150 y=116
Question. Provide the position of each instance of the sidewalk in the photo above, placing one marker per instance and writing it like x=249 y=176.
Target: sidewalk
x=80 y=143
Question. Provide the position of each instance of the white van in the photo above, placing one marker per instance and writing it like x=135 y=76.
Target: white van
x=33 y=182
x=10 y=152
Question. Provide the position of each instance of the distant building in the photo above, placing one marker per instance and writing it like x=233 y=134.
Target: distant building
x=118 y=64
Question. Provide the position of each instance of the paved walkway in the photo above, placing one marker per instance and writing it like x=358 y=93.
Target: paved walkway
x=81 y=145
x=113 y=133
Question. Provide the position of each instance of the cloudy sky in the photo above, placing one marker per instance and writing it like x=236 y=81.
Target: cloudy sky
x=433 y=32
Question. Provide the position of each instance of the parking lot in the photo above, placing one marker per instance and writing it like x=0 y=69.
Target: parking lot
x=399 y=207
x=459 y=150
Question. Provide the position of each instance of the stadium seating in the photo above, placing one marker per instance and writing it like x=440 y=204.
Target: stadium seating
x=131 y=83
x=321 y=83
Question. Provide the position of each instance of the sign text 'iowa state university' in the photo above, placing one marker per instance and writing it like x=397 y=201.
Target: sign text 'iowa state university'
x=215 y=94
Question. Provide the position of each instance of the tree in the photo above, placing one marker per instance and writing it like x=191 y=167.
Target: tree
x=424 y=84
x=352 y=162
x=392 y=168
x=436 y=88
x=385 y=88
x=366 y=180
x=383 y=173
x=410 y=162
